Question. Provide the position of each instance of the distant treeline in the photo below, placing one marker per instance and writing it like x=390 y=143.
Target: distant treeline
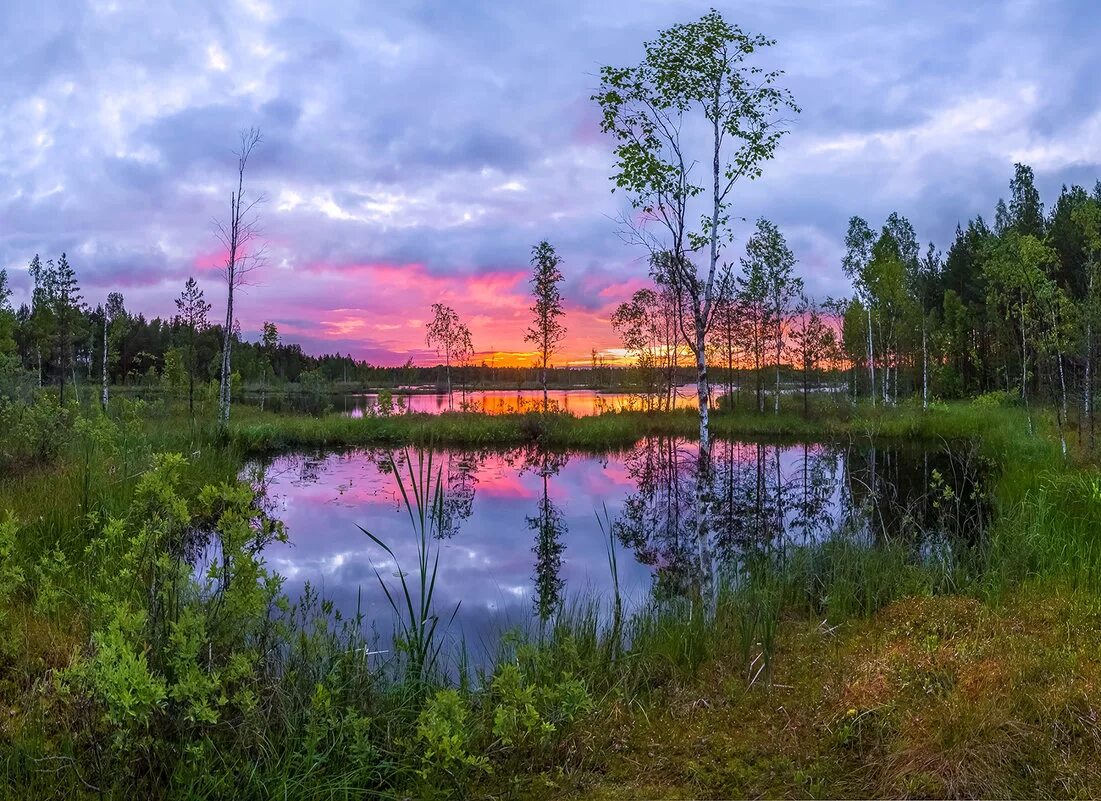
x=1013 y=306
x=145 y=351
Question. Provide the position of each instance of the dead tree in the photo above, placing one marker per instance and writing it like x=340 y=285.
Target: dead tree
x=238 y=236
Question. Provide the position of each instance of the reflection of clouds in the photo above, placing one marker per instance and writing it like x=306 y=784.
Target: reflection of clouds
x=489 y=565
x=505 y=487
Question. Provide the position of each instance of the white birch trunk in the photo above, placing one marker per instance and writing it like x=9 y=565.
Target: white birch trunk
x=104 y=399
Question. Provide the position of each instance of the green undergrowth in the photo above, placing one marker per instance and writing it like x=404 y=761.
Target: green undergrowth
x=834 y=670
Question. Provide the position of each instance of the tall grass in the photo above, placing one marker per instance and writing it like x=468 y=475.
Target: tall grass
x=336 y=725
x=422 y=494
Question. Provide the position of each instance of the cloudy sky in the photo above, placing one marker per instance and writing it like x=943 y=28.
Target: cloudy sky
x=415 y=151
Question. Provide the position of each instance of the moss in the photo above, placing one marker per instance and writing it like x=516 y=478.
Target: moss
x=936 y=697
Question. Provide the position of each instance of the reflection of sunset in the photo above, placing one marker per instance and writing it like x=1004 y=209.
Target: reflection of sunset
x=578 y=402
x=499 y=485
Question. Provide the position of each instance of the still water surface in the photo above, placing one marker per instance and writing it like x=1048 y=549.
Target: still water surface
x=579 y=402
x=525 y=531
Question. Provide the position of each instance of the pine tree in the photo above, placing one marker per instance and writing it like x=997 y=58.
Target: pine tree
x=69 y=316
x=192 y=309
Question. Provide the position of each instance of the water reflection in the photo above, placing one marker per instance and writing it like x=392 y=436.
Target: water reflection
x=550 y=527
x=520 y=535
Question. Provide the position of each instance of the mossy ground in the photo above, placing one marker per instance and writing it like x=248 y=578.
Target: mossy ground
x=931 y=697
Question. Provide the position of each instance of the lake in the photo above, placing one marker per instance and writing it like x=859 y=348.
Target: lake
x=524 y=531
x=579 y=402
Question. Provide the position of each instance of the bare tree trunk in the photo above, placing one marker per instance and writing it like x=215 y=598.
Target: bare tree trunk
x=224 y=388
x=104 y=397
x=806 y=367
x=1024 y=358
x=545 y=402
x=757 y=372
x=191 y=376
x=1087 y=390
x=238 y=264
x=702 y=393
x=1062 y=389
x=779 y=348
x=703 y=471
x=871 y=356
x=924 y=368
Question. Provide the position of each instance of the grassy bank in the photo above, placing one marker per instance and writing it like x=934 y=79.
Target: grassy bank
x=836 y=670
x=254 y=430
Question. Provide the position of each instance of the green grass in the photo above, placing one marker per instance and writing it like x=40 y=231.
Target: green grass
x=838 y=671
x=253 y=430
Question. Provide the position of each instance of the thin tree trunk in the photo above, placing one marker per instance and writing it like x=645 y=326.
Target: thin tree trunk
x=779 y=348
x=871 y=357
x=702 y=392
x=805 y=380
x=545 y=403
x=104 y=398
x=224 y=398
x=1087 y=390
x=1024 y=358
x=757 y=373
x=924 y=367
x=1062 y=389
x=191 y=374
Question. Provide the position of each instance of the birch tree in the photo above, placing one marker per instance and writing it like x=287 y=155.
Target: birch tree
x=858 y=255
x=192 y=309
x=1088 y=218
x=694 y=99
x=547 y=330
x=451 y=339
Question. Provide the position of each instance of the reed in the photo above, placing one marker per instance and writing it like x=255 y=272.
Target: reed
x=422 y=494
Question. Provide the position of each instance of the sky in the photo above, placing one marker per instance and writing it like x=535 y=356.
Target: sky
x=414 y=152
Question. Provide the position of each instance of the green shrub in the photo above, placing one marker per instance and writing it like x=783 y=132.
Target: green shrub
x=443 y=731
